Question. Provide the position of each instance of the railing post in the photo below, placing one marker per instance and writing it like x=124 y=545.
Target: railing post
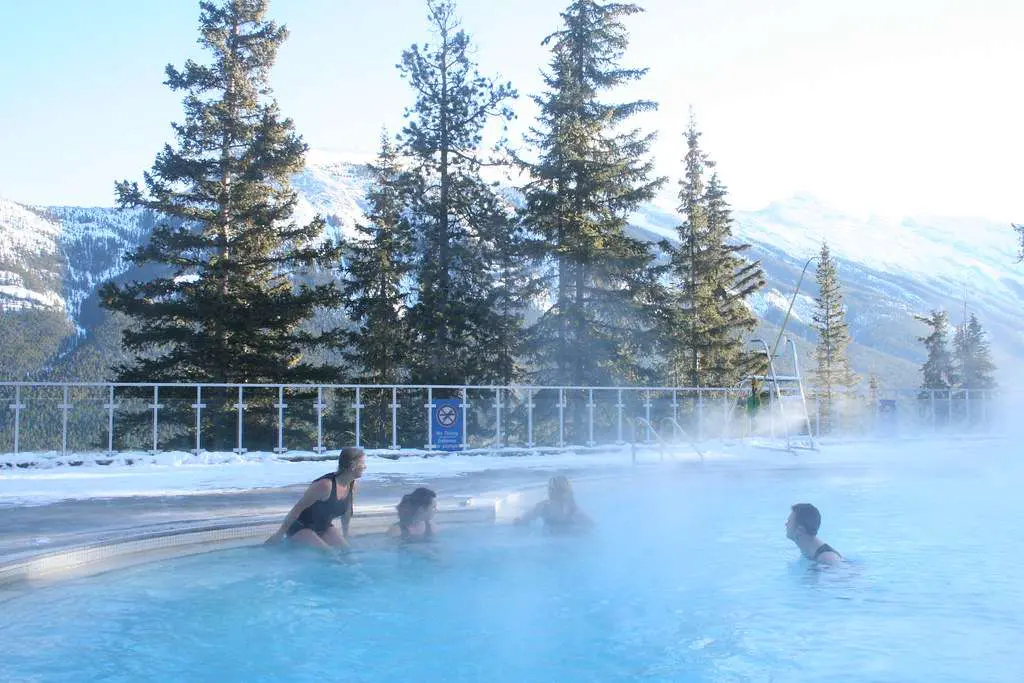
x=429 y=405
x=394 y=418
x=700 y=415
x=967 y=407
x=725 y=414
x=156 y=406
x=817 y=416
x=358 y=405
x=280 y=405
x=590 y=418
x=465 y=423
x=619 y=405
x=199 y=405
x=675 y=406
x=497 y=417
x=934 y=417
x=16 y=407
x=240 y=406
x=529 y=417
x=320 y=405
x=561 y=417
x=647 y=415
x=64 y=423
x=110 y=422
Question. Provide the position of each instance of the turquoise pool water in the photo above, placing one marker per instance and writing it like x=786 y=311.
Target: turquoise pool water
x=688 y=577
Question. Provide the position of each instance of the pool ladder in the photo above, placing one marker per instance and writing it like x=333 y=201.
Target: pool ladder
x=677 y=430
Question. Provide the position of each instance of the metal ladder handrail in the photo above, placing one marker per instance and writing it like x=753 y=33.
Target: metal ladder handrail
x=677 y=428
x=633 y=422
x=803 y=396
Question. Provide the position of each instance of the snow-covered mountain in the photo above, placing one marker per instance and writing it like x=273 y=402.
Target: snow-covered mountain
x=55 y=257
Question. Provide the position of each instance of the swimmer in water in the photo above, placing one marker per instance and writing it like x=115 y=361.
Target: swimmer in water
x=802 y=528
x=415 y=515
x=559 y=510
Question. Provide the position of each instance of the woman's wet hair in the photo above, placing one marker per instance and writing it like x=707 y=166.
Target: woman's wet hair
x=412 y=503
x=348 y=457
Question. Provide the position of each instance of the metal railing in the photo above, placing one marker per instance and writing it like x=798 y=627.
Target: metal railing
x=108 y=419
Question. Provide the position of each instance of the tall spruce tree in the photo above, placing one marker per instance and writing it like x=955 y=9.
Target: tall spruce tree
x=972 y=358
x=706 y=314
x=588 y=174
x=1019 y=229
x=378 y=264
x=454 y=212
x=225 y=306
x=937 y=371
x=832 y=371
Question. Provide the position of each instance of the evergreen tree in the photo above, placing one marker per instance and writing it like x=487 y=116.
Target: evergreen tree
x=832 y=371
x=1020 y=235
x=937 y=371
x=706 y=315
x=972 y=359
x=588 y=176
x=226 y=310
x=453 y=211
x=226 y=306
x=378 y=264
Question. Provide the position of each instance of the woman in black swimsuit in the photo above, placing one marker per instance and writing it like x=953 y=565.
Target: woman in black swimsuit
x=311 y=520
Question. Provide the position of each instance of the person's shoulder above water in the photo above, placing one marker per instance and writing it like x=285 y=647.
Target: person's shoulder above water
x=802 y=527
x=559 y=509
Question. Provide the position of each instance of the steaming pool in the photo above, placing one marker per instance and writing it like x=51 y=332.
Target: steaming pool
x=687 y=577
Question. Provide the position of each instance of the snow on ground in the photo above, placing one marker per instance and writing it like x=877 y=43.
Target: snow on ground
x=180 y=474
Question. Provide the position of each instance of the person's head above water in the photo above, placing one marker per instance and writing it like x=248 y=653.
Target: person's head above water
x=351 y=462
x=804 y=519
x=559 y=489
x=416 y=507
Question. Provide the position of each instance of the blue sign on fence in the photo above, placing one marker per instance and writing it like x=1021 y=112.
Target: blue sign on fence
x=446 y=431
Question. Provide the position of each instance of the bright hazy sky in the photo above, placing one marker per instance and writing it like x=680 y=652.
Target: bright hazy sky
x=896 y=106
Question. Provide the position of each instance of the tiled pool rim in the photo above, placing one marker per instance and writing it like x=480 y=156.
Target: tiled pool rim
x=32 y=570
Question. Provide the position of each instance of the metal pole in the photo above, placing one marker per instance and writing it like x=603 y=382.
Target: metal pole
x=281 y=405
x=110 y=422
x=394 y=418
x=700 y=415
x=199 y=405
x=497 y=417
x=934 y=422
x=240 y=407
x=156 y=408
x=17 y=406
x=320 y=405
x=430 y=423
x=358 y=405
x=465 y=424
x=561 y=417
x=529 y=417
x=620 y=406
x=647 y=415
x=590 y=418
x=64 y=423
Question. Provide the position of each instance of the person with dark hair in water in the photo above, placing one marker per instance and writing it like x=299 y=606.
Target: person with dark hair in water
x=559 y=509
x=415 y=515
x=311 y=520
x=802 y=528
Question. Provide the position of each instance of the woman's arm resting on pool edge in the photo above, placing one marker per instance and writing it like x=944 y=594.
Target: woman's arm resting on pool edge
x=318 y=490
